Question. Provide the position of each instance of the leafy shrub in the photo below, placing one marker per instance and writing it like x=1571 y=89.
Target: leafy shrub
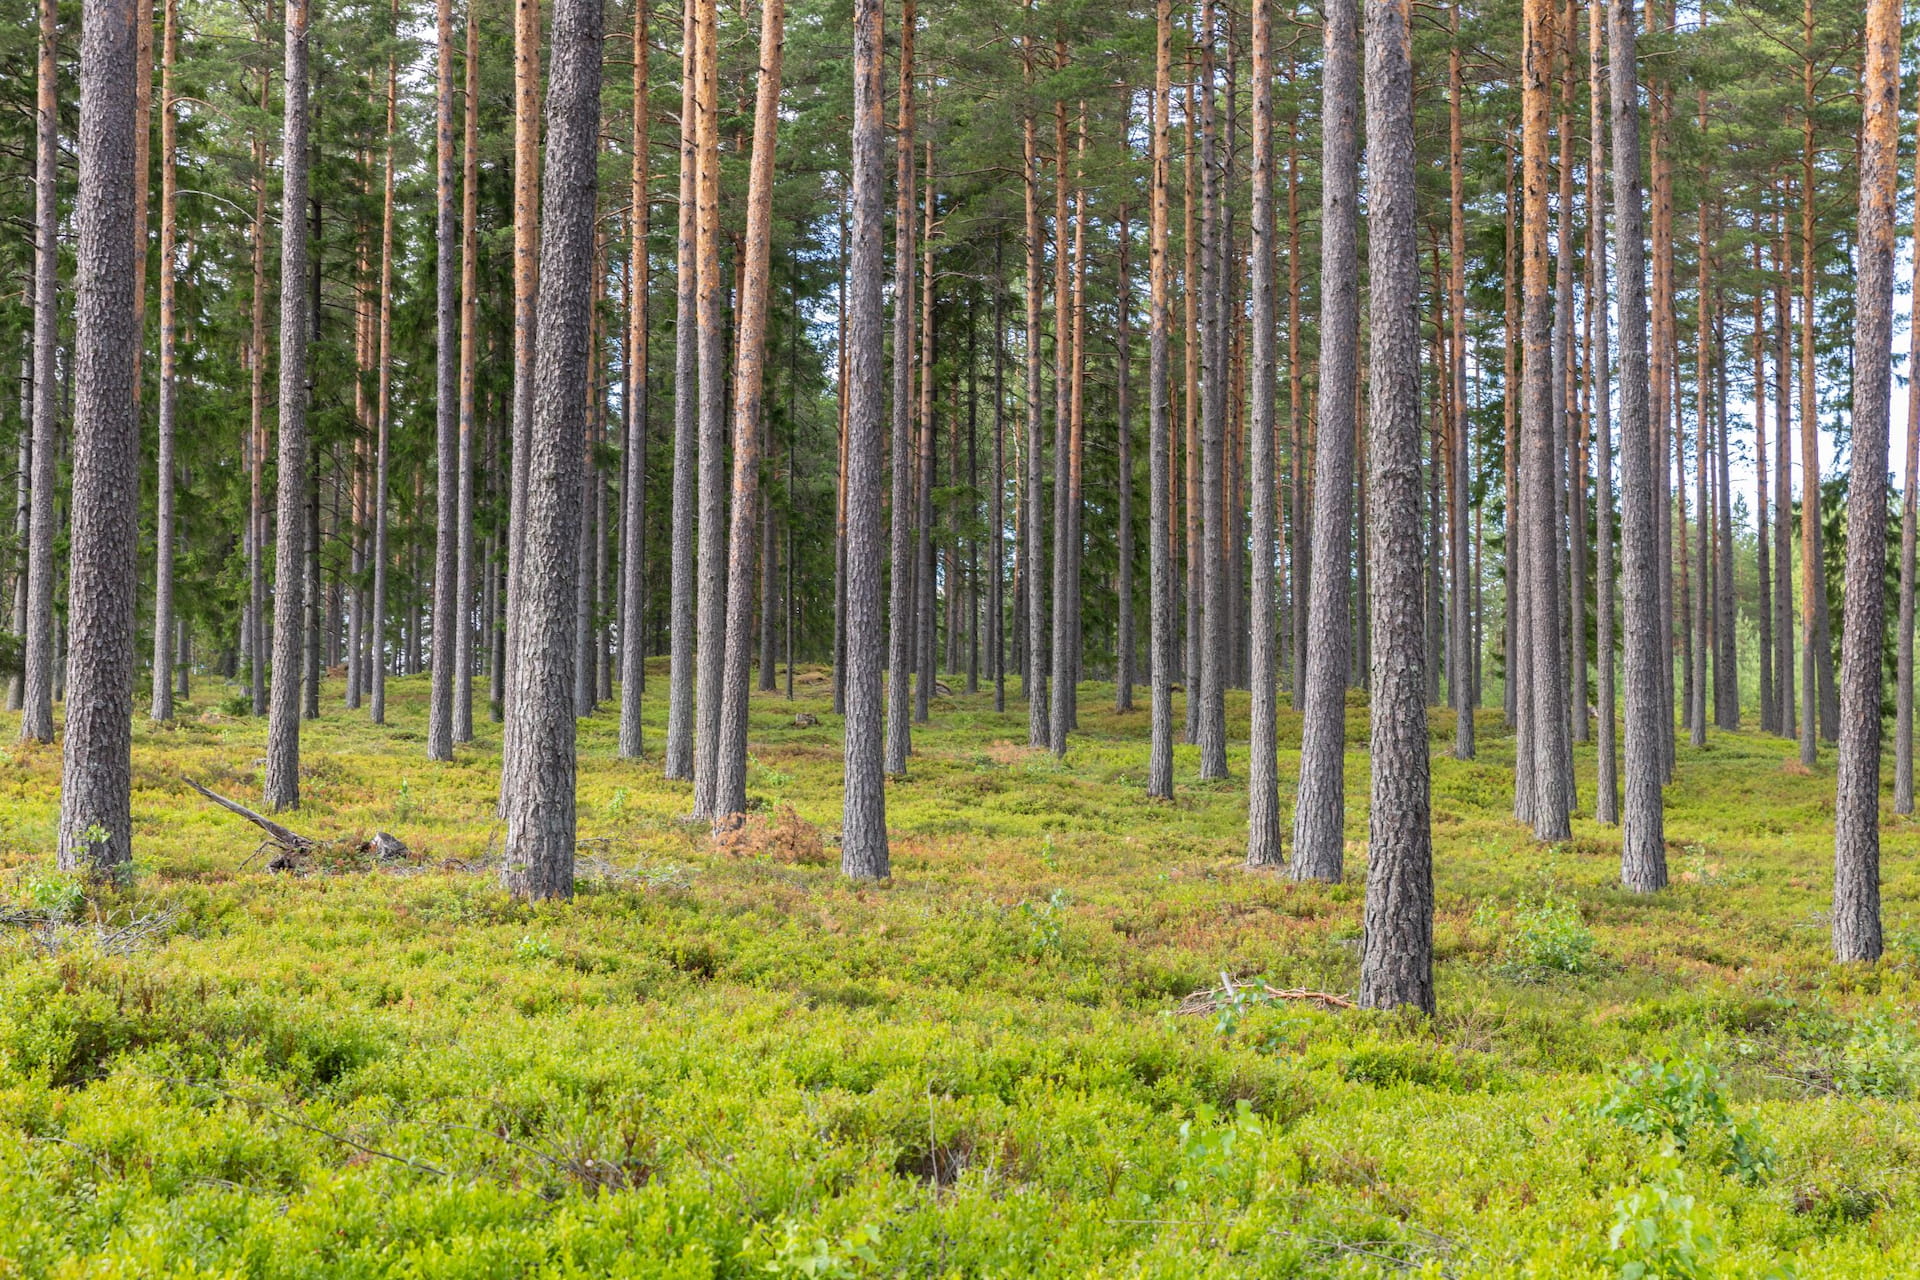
x=59 y=896
x=1660 y=1233
x=1678 y=1101
x=1880 y=1059
x=783 y=836
x=1549 y=937
x=1045 y=935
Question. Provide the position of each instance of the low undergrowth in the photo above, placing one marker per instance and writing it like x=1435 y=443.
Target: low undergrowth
x=722 y=1060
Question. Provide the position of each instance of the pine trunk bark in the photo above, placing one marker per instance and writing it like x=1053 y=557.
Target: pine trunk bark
x=633 y=491
x=383 y=418
x=1320 y=805
x=711 y=319
x=282 y=790
x=1214 y=377
x=164 y=640
x=447 y=418
x=1606 y=798
x=863 y=847
x=1643 y=853
x=538 y=781
x=36 y=719
x=749 y=368
x=686 y=422
x=96 y=835
x=1396 y=956
x=1263 y=778
x=900 y=610
x=1460 y=612
x=1856 y=809
x=1160 y=423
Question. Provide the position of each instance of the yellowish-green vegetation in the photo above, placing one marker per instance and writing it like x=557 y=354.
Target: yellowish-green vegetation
x=729 y=1062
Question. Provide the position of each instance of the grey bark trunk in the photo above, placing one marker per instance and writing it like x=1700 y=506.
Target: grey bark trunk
x=1263 y=779
x=36 y=719
x=1320 y=804
x=686 y=383
x=1396 y=956
x=282 y=790
x=97 y=768
x=539 y=772
x=446 y=485
x=863 y=844
x=1643 y=855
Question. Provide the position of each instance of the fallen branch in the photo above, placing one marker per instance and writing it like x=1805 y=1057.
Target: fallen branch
x=291 y=841
x=295 y=852
x=1214 y=999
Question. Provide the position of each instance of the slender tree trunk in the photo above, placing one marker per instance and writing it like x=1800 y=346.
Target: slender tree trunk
x=1214 y=375
x=1066 y=595
x=1396 y=964
x=996 y=539
x=1643 y=853
x=383 y=414
x=633 y=570
x=1856 y=809
x=36 y=719
x=923 y=433
x=282 y=789
x=686 y=407
x=1606 y=799
x=711 y=604
x=1033 y=534
x=97 y=771
x=1263 y=779
x=1763 y=614
x=1909 y=518
x=1160 y=423
x=539 y=773
x=1460 y=664
x=1817 y=668
x=1124 y=646
x=1569 y=491
x=730 y=785
x=1783 y=487
x=863 y=846
x=447 y=418
x=840 y=491
x=463 y=595
x=1539 y=454
x=1191 y=289
x=1701 y=643
x=163 y=517
x=257 y=429
x=1320 y=805
x=900 y=610
x=1298 y=538
x=526 y=284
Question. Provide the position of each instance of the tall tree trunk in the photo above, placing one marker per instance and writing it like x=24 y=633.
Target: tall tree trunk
x=1396 y=963
x=1856 y=808
x=163 y=517
x=1033 y=534
x=730 y=785
x=1606 y=798
x=923 y=551
x=1191 y=288
x=1214 y=374
x=1460 y=665
x=526 y=284
x=1124 y=644
x=1909 y=517
x=383 y=415
x=711 y=604
x=1821 y=702
x=1066 y=434
x=1643 y=852
x=446 y=431
x=686 y=408
x=840 y=489
x=1763 y=545
x=1539 y=454
x=1569 y=491
x=1160 y=423
x=282 y=790
x=257 y=428
x=1263 y=779
x=463 y=595
x=97 y=771
x=538 y=784
x=633 y=491
x=900 y=610
x=1298 y=540
x=1783 y=484
x=996 y=539
x=36 y=719
x=1726 y=684
x=863 y=845
x=1320 y=806
x=1701 y=643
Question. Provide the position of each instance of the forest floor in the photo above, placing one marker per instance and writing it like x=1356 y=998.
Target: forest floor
x=729 y=1061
